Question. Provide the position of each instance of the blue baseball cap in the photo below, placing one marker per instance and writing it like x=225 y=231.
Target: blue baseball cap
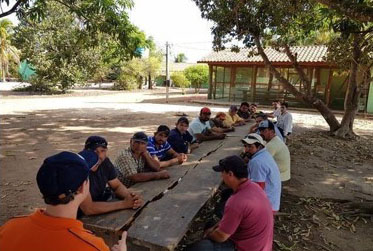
x=90 y=157
x=61 y=174
x=266 y=124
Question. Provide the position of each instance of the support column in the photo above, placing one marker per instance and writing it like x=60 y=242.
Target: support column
x=209 y=95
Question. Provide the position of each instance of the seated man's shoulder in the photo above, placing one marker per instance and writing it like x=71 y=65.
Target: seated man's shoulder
x=88 y=238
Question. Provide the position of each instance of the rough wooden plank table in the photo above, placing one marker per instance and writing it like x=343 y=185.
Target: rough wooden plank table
x=163 y=223
x=109 y=226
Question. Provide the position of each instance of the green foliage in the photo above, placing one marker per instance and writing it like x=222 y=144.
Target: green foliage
x=197 y=75
x=180 y=58
x=131 y=75
x=8 y=53
x=107 y=17
x=179 y=80
x=66 y=50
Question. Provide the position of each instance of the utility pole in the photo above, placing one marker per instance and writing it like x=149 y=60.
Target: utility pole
x=167 y=72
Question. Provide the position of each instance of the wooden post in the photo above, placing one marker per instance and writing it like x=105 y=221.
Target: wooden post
x=232 y=85
x=214 y=70
x=209 y=95
x=253 y=84
x=327 y=91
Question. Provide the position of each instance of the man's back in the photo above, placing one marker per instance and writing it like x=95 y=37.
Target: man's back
x=263 y=168
x=248 y=217
x=41 y=232
x=280 y=152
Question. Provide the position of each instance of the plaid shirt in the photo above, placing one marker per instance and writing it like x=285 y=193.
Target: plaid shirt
x=127 y=165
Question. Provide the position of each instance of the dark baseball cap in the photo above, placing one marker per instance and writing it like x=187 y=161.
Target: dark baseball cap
x=95 y=141
x=90 y=157
x=163 y=129
x=232 y=163
x=62 y=174
x=266 y=124
x=140 y=137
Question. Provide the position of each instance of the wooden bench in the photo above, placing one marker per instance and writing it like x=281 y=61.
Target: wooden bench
x=170 y=205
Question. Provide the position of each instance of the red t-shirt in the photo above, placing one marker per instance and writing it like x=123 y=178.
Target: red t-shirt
x=248 y=218
x=39 y=231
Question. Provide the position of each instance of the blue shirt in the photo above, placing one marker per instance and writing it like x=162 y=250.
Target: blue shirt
x=263 y=168
x=159 y=152
x=179 y=142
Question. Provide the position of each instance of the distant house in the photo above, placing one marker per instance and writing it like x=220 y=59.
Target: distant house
x=238 y=77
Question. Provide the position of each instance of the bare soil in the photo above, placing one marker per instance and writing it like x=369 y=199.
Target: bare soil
x=327 y=173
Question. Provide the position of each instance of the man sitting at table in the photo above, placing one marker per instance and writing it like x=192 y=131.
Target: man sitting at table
x=161 y=150
x=243 y=112
x=232 y=119
x=104 y=183
x=134 y=164
x=217 y=123
x=247 y=222
x=180 y=139
x=200 y=127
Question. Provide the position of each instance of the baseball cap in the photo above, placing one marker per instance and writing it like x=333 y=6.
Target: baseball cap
x=253 y=138
x=95 y=141
x=163 y=129
x=233 y=108
x=232 y=163
x=90 y=157
x=62 y=174
x=140 y=137
x=265 y=124
x=205 y=110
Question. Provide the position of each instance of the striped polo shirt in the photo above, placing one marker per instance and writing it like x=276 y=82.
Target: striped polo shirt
x=159 y=152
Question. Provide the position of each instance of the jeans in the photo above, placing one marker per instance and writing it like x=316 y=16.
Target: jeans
x=209 y=245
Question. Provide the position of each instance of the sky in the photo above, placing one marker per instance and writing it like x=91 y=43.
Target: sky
x=178 y=22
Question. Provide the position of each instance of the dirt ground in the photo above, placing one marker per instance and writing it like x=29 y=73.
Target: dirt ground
x=327 y=173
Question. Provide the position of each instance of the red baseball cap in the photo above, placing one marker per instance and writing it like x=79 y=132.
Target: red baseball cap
x=205 y=110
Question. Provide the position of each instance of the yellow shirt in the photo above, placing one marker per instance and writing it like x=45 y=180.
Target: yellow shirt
x=229 y=120
x=280 y=153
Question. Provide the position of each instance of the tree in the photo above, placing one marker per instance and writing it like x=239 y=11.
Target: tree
x=180 y=58
x=7 y=51
x=64 y=52
x=94 y=16
x=153 y=62
x=360 y=10
x=132 y=74
x=179 y=79
x=197 y=75
x=285 y=23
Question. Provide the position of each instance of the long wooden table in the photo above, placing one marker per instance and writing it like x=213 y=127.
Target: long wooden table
x=171 y=204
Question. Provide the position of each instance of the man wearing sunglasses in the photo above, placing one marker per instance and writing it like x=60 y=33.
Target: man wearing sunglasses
x=200 y=128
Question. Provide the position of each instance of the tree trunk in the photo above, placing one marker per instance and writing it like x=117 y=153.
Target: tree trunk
x=150 y=82
x=308 y=99
x=352 y=95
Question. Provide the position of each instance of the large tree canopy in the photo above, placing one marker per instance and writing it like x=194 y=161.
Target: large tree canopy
x=97 y=16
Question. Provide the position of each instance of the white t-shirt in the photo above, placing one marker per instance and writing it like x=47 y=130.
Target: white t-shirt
x=285 y=122
x=197 y=127
x=280 y=152
x=277 y=112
